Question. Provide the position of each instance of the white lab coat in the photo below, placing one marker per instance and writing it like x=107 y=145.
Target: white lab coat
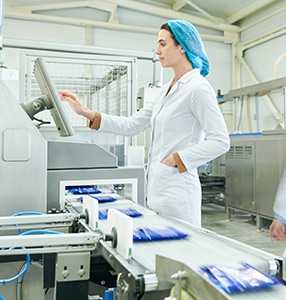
x=188 y=120
x=279 y=207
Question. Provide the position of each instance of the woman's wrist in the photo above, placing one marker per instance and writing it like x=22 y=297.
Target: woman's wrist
x=280 y=218
x=88 y=113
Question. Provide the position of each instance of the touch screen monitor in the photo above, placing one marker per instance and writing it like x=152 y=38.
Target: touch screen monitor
x=49 y=100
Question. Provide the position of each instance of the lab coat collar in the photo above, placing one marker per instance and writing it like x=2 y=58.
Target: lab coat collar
x=191 y=74
x=184 y=79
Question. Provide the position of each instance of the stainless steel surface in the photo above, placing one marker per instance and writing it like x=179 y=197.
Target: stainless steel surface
x=274 y=132
x=30 y=289
x=76 y=155
x=33 y=167
x=23 y=162
x=58 y=179
x=69 y=257
x=72 y=267
x=240 y=174
x=270 y=164
x=254 y=165
x=218 y=166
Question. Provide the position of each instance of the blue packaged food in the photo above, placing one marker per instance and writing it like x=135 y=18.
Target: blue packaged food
x=100 y=199
x=242 y=278
x=131 y=212
x=83 y=190
x=102 y=214
x=103 y=199
x=157 y=233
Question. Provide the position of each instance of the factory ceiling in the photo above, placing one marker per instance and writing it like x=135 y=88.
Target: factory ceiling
x=138 y=15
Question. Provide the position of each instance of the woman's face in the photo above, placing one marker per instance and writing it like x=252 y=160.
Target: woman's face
x=168 y=51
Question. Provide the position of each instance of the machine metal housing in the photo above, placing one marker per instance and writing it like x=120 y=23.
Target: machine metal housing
x=254 y=165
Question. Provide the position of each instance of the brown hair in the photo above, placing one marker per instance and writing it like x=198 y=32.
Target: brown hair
x=167 y=27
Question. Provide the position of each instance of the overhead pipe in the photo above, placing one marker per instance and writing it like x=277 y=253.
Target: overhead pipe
x=277 y=62
x=1 y=31
x=1 y=21
x=275 y=73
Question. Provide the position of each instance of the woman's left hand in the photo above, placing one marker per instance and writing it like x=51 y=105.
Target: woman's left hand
x=169 y=161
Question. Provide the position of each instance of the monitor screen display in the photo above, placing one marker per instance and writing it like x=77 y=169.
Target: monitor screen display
x=49 y=100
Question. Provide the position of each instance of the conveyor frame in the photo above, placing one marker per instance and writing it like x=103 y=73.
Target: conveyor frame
x=141 y=270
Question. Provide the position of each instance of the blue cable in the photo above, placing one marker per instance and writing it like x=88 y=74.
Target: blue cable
x=28 y=258
x=28 y=261
x=27 y=213
x=37 y=231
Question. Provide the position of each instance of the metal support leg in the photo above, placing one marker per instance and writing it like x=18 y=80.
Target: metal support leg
x=72 y=276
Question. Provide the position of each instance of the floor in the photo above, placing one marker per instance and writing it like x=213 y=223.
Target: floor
x=241 y=227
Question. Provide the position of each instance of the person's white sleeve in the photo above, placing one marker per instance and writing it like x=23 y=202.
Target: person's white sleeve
x=127 y=126
x=216 y=141
x=279 y=207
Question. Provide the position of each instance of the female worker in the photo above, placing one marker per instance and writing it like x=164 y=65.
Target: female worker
x=187 y=126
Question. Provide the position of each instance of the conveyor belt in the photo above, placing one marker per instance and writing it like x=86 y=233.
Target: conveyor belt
x=201 y=247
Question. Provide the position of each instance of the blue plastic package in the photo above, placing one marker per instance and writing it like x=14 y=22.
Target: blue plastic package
x=131 y=212
x=103 y=199
x=100 y=199
x=157 y=234
x=102 y=214
x=85 y=190
x=243 y=278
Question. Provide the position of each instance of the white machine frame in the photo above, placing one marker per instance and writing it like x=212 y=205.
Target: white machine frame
x=72 y=250
x=64 y=183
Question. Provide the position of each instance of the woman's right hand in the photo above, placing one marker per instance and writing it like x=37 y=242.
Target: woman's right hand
x=76 y=105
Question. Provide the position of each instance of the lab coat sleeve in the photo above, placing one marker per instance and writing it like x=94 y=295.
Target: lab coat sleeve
x=216 y=142
x=279 y=207
x=127 y=126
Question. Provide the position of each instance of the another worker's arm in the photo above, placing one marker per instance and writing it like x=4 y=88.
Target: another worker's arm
x=278 y=226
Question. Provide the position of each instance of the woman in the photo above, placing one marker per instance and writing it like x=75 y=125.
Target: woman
x=188 y=128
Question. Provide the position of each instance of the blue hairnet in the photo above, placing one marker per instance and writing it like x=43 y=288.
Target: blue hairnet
x=188 y=37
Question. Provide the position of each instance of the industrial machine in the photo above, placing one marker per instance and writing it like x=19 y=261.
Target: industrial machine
x=39 y=165
x=256 y=160
x=154 y=266
x=72 y=250
x=254 y=165
x=53 y=238
x=61 y=260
